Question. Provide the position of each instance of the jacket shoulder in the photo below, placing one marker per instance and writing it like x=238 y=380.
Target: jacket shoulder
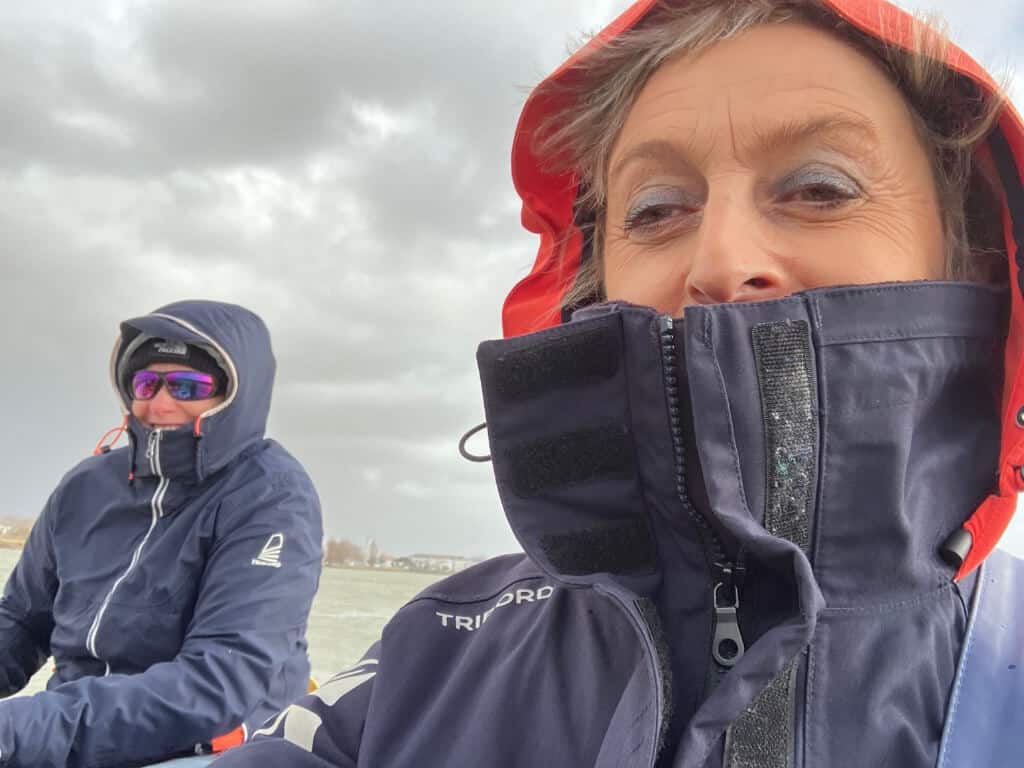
x=483 y=580
x=485 y=606
x=114 y=462
x=104 y=468
x=268 y=487
x=268 y=461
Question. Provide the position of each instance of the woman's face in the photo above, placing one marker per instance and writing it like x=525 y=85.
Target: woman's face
x=777 y=161
x=163 y=411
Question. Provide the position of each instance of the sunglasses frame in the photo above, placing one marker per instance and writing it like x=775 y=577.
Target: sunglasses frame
x=162 y=381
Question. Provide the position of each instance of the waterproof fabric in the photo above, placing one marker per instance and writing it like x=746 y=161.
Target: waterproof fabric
x=986 y=710
x=549 y=207
x=170 y=579
x=596 y=648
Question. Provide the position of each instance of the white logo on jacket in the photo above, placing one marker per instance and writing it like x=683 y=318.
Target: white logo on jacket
x=270 y=555
x=512 y=597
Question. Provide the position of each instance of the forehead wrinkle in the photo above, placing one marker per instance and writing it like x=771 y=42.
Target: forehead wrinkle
x=835 y=129
x=730 y=118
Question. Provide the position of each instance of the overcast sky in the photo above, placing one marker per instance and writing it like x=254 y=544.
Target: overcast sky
x=341 y=168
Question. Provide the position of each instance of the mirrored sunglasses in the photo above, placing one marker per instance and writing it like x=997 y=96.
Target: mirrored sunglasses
x=181 y=385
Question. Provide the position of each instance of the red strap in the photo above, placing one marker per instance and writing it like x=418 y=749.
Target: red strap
x=233 y=739
x=103 y=446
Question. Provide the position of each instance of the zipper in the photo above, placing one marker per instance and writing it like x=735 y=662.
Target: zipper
x=727 y=646
x=156 y=508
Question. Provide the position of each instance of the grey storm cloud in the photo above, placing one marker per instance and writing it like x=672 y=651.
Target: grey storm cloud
x=342 y=168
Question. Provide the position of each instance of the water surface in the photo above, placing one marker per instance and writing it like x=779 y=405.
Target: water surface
x=349 y=611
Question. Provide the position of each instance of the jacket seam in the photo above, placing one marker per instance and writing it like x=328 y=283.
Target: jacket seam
x=895 y=605
x=733 y=448
x=908 y=334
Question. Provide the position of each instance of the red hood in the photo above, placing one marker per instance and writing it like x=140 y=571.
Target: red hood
x=548 y=201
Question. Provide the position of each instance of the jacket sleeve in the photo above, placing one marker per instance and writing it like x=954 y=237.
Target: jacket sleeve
x=26 y=609
x=245 y=645
x=320 y=730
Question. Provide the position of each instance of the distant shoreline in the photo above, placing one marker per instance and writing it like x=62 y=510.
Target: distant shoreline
x=18 y=543
x=371 y=569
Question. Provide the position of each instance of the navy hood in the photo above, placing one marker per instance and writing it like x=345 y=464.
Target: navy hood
x=240 y=342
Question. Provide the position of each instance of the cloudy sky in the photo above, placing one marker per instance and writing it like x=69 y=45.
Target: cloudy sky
x=339 y=167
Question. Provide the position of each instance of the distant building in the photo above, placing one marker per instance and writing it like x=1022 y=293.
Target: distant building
x=440 y=563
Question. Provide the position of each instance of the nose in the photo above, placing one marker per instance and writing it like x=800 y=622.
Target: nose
x=734 y=259
x=162 y=402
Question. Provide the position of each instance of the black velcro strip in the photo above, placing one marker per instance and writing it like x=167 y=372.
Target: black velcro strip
x=573 y=359
x=649 y=613
x=570 y=458
x=783 y=354
x=762 y=737
x=613 y=549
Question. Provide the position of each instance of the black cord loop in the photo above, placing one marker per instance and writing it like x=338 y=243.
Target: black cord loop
x=465 y=439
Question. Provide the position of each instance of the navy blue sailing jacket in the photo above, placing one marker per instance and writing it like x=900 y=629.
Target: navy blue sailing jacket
x=170 y=580
x=732 y=525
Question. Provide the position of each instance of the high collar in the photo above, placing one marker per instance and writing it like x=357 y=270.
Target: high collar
x=165 y=453
x=825 y=445
x=895 y=439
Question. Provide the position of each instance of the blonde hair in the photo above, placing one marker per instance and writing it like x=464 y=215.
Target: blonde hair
x=951 y=114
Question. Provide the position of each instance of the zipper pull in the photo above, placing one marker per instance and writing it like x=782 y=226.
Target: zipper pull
x=727 y=646
x=151 y=444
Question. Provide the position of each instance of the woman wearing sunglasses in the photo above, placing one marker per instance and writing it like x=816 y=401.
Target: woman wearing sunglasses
x=171 y=579
x=758 y=424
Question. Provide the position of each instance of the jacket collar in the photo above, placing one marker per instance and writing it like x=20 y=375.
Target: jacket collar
x=164 y=453
x=899 y=439
x=849 y=428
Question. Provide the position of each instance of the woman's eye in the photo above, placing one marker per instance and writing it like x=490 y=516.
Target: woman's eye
x=819 y=188
x=657 y=211
x=822 y=195
x=647 y=216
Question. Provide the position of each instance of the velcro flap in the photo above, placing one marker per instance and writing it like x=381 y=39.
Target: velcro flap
x=600 y=453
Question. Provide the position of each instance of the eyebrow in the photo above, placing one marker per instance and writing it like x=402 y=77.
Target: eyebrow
x=788 y=133
x=798 y=131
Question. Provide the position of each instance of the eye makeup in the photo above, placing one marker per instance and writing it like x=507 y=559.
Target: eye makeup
x=823 y=181
x=654 y=207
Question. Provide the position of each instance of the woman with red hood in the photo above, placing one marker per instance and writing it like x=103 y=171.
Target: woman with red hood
x=758 y=420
